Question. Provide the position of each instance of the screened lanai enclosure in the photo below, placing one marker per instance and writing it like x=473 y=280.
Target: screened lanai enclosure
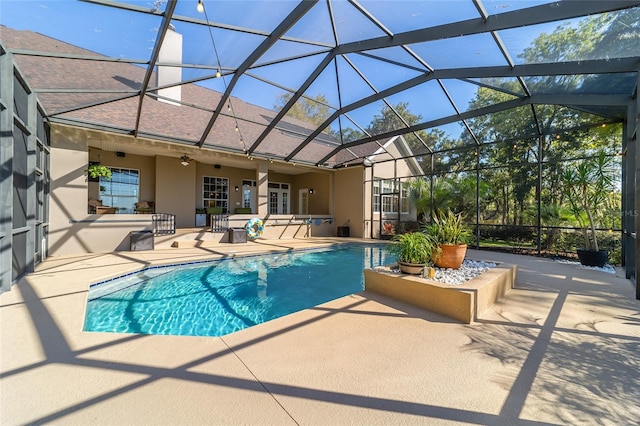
x=479 y=106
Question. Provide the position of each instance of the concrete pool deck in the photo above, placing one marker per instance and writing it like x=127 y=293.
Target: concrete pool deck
x=561 y=348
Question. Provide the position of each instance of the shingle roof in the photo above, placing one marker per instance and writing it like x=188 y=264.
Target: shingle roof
x=96 y=88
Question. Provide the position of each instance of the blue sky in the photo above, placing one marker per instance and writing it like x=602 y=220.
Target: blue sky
x=118 y=33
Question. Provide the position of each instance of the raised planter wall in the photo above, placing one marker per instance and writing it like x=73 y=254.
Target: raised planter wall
x=464 y=302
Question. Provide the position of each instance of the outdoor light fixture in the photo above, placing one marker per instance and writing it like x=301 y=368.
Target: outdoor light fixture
x=184 y=160
x=218 y=74
x=310 y=190
x=236 y=188
x=200 y=6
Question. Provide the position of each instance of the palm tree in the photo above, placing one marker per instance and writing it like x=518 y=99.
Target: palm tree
x=587 y=185
x=418 y=196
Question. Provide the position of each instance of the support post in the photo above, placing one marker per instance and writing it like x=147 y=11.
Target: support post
x=478 y=198
x=539 y=192
x=634 y=127
x=262 y=178
x=6 y=169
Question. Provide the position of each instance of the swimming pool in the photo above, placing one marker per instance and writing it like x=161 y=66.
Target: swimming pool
x=220 y=297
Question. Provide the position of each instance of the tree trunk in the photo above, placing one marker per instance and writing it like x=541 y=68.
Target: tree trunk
x=593 y=228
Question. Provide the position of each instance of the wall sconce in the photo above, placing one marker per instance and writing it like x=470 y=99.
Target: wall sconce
x=236 y=188
x=310 y=190
x=184 y=160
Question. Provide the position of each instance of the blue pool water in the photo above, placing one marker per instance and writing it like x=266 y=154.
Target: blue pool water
x=220 y=297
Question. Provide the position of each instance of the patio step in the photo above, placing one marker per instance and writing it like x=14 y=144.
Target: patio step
x=188 y=237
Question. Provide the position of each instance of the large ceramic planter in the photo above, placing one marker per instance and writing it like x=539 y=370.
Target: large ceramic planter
x=451 y=255
x=411 y=268
x=593 y=258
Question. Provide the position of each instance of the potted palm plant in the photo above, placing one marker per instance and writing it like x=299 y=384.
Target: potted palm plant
x=588 y=185
x=413 y=250
x=451 y=236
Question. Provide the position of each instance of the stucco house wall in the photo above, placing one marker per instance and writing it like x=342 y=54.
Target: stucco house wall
x=175 y=189
x=349 y=200
x=320 y=201
x=71 y=229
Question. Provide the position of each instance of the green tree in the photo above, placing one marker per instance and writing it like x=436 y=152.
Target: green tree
x=510 y=165
x=419 y=197
x=588 y=184
x=314 y=111
x=349 y=134
x=388 y=119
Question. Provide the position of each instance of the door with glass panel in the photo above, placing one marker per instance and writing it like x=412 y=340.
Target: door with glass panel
x=249 y=195
x=303 y=201
x=278 y=198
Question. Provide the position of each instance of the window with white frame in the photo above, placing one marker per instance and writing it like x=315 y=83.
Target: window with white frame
x=404 y=199
x=215 y=192
x=122 y=191
x=376 y=196
x=385 y=196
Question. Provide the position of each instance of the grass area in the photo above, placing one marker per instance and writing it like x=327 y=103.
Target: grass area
x=504 y=243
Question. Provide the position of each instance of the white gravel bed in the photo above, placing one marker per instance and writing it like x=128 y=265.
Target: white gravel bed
x=606 y=268
x=469 y=269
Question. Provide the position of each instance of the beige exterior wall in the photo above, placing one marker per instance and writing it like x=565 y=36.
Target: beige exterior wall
x=176 y=190
x=68 y=190
x=262 y=180
x=235 y=177
x=71 y=229
x=320 y=200
x=280 y=177
x=349 y=200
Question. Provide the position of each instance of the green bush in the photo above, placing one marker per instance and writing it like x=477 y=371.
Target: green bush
x=413 y=247
x=409 y=226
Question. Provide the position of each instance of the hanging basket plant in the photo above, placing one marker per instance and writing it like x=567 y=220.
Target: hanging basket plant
x=96 y=171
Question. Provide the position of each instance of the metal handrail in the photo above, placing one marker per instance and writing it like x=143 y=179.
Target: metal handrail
x=219 y=222
x=164 y=223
